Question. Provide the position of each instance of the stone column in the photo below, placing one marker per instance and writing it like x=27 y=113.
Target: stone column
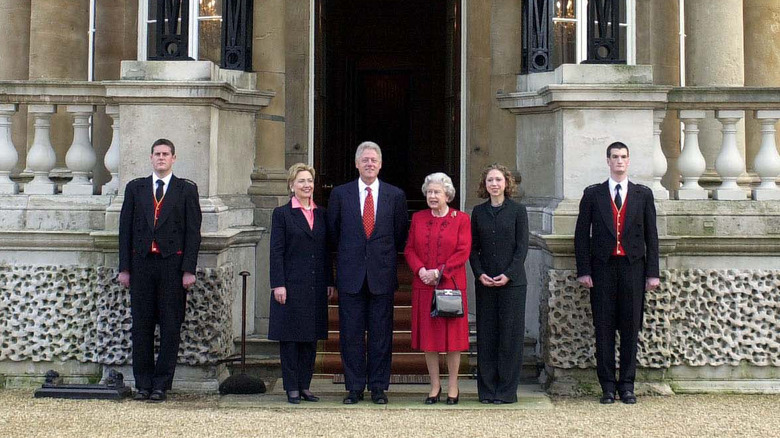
x=59 y=49
x=14 y=61
x=714 y=55
x=762 y=60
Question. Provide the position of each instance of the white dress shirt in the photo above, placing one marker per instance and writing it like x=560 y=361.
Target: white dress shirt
x=623 y=189
x=166 y=182
x=363 y=193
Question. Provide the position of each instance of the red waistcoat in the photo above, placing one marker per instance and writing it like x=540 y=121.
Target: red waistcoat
x=618 y=220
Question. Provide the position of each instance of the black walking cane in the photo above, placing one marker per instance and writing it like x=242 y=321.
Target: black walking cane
x=242 y=383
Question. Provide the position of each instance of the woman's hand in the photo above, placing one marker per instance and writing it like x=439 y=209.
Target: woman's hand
x=500 y=280
x=428 y=276
x=280 y=294
x=486 y=281
x=331 y=291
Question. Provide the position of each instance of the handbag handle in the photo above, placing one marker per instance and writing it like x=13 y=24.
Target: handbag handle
x=442 y=276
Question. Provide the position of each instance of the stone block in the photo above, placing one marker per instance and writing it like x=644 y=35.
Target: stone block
x=168 y=70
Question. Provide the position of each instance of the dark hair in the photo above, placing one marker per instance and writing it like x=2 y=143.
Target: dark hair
x=166 y=142
x=511 y=185
x=617 y=145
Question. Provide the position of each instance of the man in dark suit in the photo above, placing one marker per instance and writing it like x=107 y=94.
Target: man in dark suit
x=159 y=239
x=616 y=247
x=367 y=220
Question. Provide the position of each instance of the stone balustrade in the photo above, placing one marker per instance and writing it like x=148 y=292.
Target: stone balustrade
x=730 y=106
x=42 y=100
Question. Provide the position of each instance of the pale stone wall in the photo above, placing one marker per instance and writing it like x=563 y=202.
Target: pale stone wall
x=15 y=62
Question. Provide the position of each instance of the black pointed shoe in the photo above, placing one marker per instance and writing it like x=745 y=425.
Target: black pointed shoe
x=432 y=400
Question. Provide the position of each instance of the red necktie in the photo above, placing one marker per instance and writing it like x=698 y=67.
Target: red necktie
x=368 y=213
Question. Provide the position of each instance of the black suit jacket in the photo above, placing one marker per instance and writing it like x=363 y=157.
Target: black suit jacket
x=300 y=262
x=499 y=242
x=595 y=236
x=178 y=225
x=359 y=256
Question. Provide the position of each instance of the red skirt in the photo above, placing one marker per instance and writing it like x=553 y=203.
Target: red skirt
x=437 y=334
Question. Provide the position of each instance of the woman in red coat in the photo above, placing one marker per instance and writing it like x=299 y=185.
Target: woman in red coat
x=437 y=250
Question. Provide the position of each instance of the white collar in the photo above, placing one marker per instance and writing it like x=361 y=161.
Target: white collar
x=623 y=187
x=374 y=186
x=166 y=180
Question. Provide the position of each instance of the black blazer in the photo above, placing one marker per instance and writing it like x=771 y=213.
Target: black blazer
x=595 y=236
x=299 y=261
x=358 y=256
x=178 y=225
x=499 y=242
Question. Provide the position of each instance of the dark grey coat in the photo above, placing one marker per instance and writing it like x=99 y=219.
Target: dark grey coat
x=499 y=243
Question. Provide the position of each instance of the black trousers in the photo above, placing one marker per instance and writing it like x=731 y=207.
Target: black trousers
x=617 y=301
x=500 y=334
x=360 y=313
x=156 y=297
x=297 y=364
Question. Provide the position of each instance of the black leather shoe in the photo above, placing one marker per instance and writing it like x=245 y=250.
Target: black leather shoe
x=628 y=397
x=453 y=400
x=308 y=396
x=353 y=397
x=607 y=398
x=379 y=397
x=294 y=397
x=434 y=399
x=486 y=401
x=141 y=395
x=498 y=402
x=157 y=396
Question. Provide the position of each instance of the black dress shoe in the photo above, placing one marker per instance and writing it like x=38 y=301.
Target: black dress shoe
x=294 y=397
x=453 y=400
x=434 y=399
x=628 y=397
x=308 y=396
x=379 y=397
x=141 y=394
x=157 y=396
x=486 y=401
x=498 y=402
x=607 y=398
x=353 y=397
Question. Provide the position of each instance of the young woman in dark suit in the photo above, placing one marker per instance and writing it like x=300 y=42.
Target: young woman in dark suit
x=302 y=282
x=498 y=249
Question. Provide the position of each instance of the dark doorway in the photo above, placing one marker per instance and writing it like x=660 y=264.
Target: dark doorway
x=387 y=71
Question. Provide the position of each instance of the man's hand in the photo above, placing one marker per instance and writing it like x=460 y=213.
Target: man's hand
x=652 y=283
x=187 y=280
x=500 y=280
x=124 y=278
x=280 y=294
x=331 y=291
x=586 y=281
x=487 y=281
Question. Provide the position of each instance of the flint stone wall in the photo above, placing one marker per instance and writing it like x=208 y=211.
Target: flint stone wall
x=696 y=317
x=58 y=313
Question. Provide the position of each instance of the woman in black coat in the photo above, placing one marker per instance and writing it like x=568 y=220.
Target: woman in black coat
x=499 y=229
x=302 y=282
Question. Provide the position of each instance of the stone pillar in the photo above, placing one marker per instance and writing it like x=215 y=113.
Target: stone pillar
x=762 y=60
x=295 y=50
x=269 y=179
x=59 y=49
x=14 y=61
x=714 y=55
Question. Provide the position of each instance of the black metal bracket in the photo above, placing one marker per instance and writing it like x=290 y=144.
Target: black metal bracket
x=237 y=34
x=173 y=30
x=113 y=389
x=604 y=32
x=537 y=36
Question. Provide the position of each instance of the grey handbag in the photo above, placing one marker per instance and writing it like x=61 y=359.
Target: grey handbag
x=447 y=303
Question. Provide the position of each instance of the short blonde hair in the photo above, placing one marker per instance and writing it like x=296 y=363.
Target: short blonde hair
x=444 y=180
x=295 y=169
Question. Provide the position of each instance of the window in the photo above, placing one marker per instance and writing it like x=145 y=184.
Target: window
x=204 y=38
x=570 y=32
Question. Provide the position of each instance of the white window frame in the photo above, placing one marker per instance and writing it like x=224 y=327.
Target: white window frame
x=581 y=11
x=143 y=28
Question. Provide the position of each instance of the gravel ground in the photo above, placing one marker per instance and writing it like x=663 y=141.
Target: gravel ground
x=189 y=415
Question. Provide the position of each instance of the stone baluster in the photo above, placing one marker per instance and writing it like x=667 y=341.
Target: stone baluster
x=8 y=154
x=111 y=160
x=81 y=157
x=729 y=164
x=691 y=161
x=767 y=164
x=41 y=157
x=659 y=159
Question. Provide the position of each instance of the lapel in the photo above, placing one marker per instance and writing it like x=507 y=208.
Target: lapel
x=632 y=207
x=300 y=220
x=169 y=200
x=384 y=199
x=146 y=196
x=604 y=201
